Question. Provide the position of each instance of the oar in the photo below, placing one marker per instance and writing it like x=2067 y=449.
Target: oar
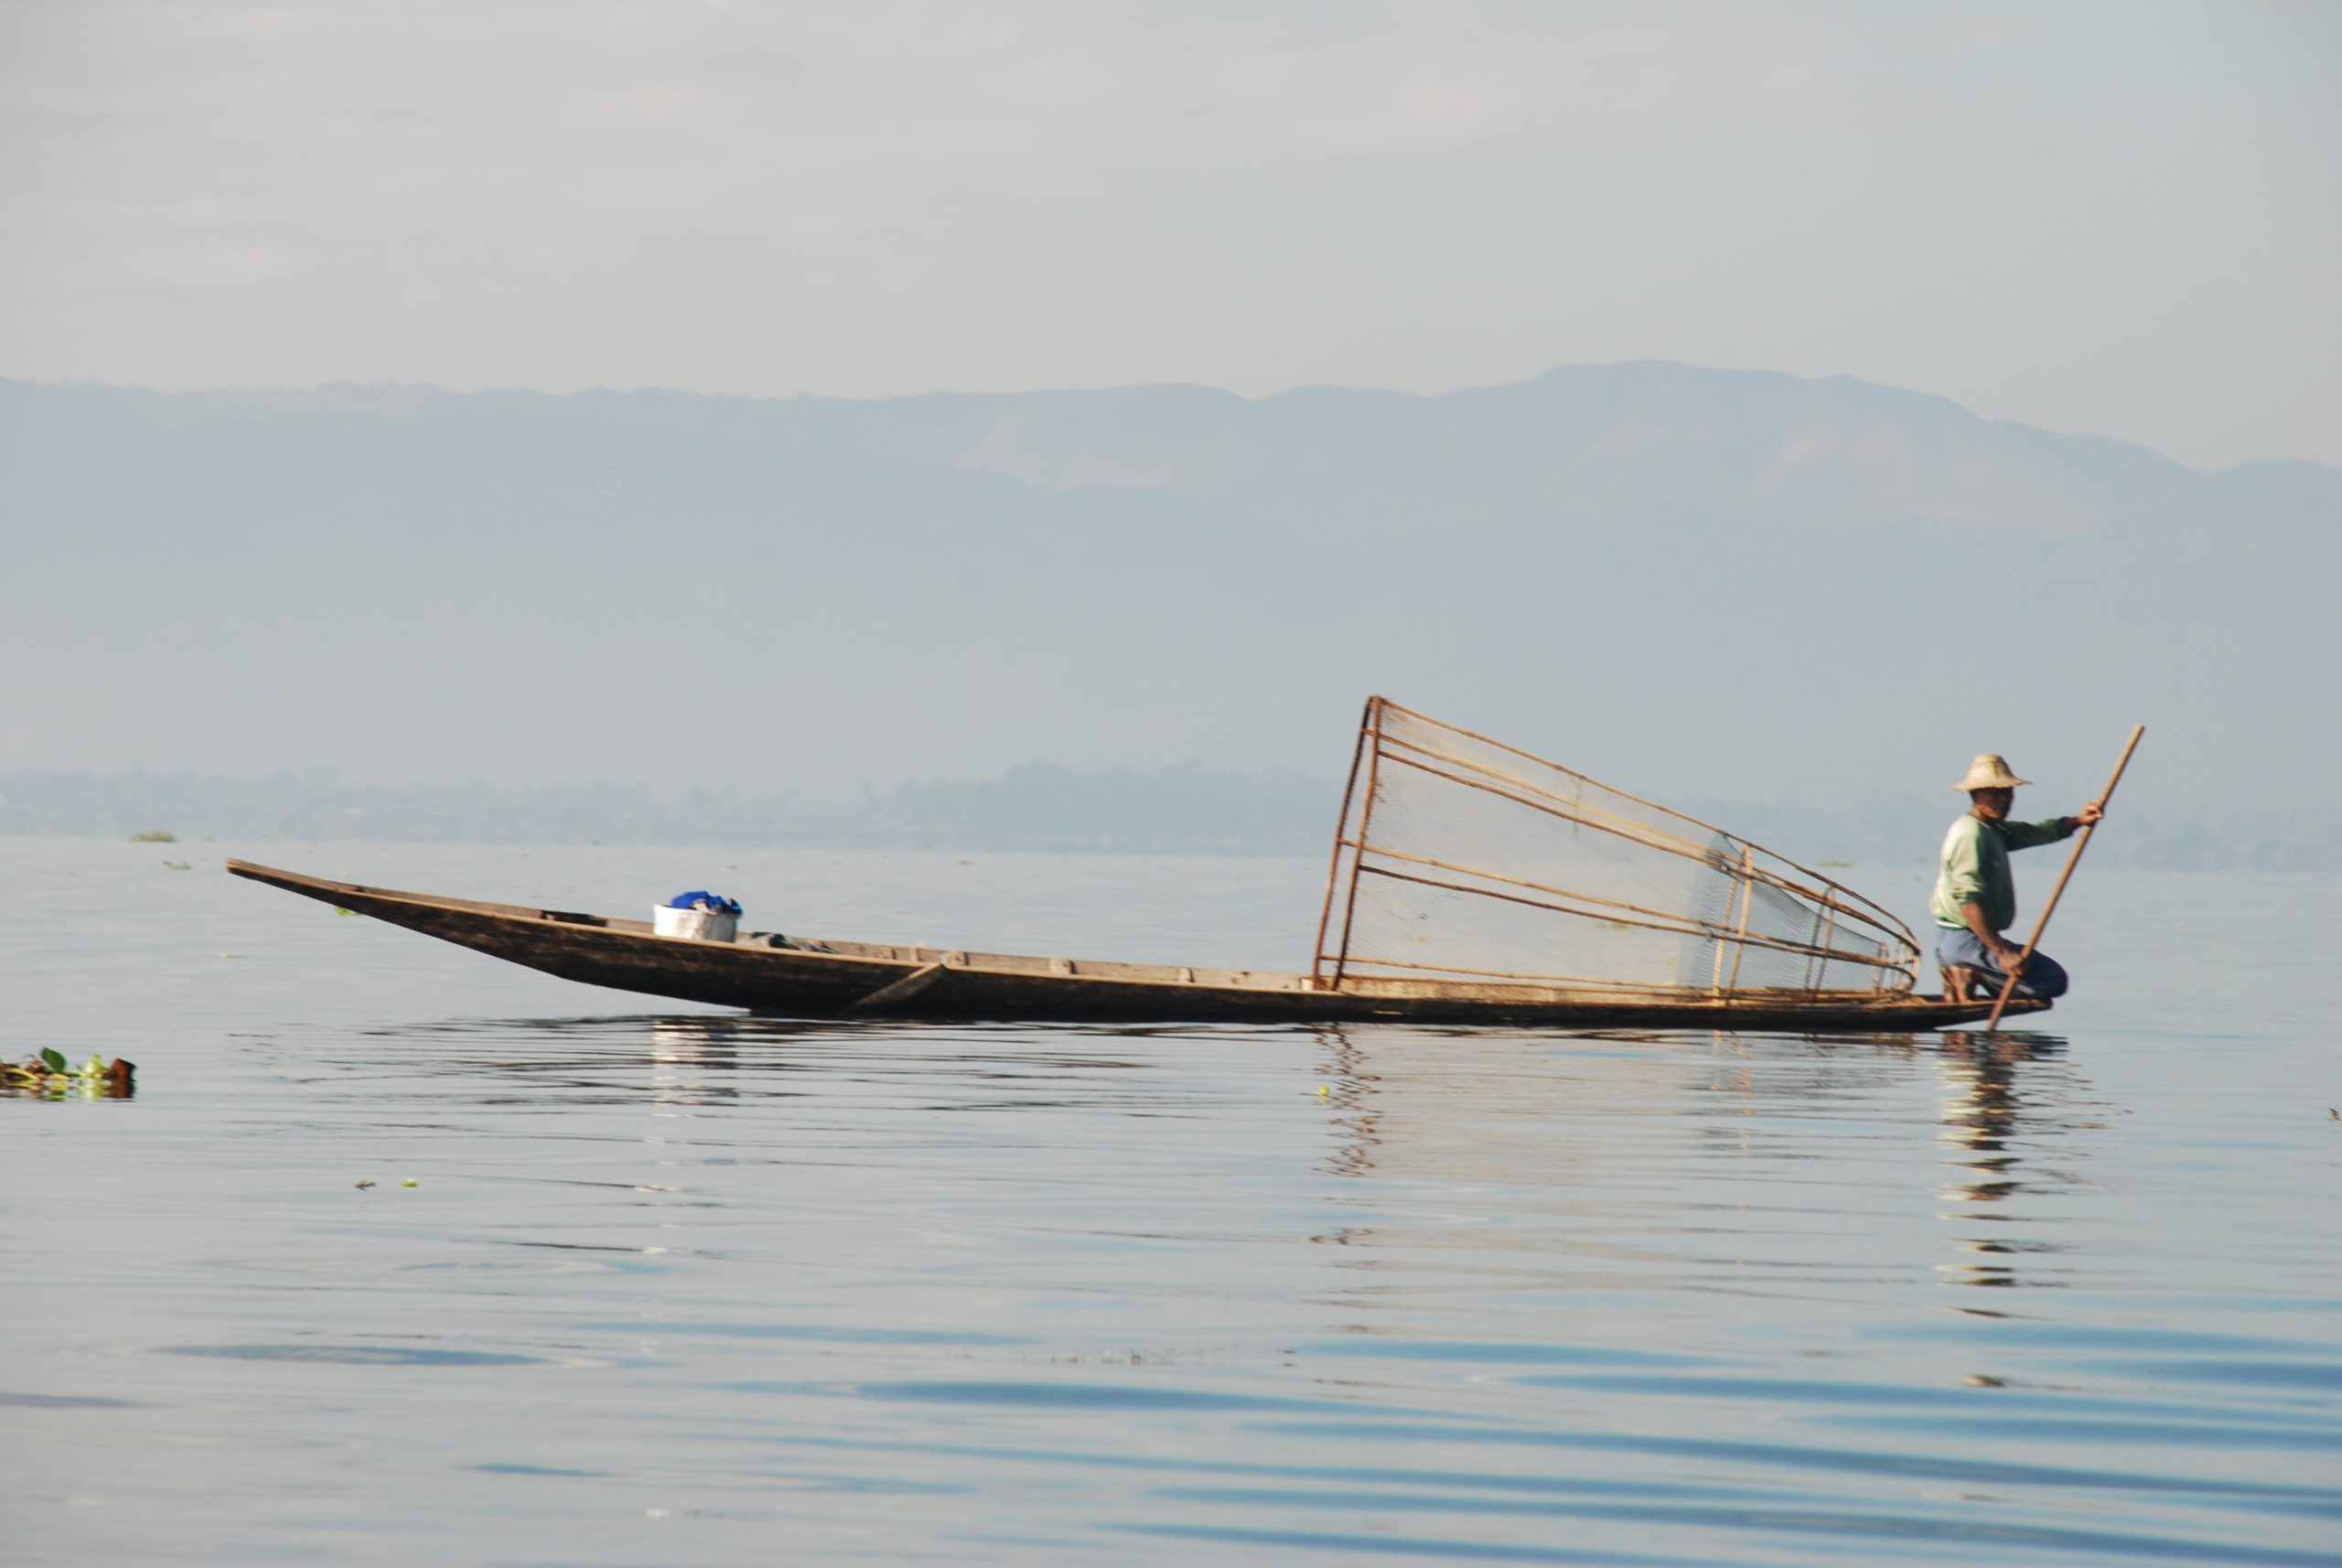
x=2080 y=843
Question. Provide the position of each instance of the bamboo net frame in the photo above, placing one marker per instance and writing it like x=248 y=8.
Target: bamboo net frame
x=1464 y=860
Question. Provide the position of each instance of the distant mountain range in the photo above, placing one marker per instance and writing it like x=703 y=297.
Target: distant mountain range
x=1719 y=584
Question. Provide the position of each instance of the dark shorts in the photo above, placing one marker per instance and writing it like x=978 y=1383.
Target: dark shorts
x=2044 y=976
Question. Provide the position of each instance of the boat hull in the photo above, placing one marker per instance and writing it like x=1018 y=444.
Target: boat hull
x=800 y=978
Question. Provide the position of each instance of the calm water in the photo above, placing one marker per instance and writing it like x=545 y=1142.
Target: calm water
x=677 y=1286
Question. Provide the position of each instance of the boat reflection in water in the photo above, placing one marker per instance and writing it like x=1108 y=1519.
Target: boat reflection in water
x=684 y=1052
x=1531 y=1161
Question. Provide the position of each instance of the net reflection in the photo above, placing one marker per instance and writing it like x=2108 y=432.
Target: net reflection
x=1721 y=1160
x=2001 y=1096
x=1515 y=1104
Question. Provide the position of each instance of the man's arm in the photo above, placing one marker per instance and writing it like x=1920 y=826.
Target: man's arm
x=2024 y=836
x=2008 y=956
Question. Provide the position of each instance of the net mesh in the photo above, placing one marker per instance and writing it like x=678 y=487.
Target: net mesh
x=1462 y=860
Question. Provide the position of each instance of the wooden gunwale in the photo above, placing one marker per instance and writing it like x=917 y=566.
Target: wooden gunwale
x=1643 y=990
x=821 y=979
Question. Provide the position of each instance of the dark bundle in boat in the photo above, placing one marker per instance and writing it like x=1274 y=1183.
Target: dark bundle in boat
x=1471 y=882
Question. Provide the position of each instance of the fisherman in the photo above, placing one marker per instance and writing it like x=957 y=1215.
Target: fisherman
x=1975 y=900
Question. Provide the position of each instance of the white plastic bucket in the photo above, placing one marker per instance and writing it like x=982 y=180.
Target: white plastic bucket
x=701 y=925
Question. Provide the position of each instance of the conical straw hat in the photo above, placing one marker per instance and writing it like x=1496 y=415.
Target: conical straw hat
x=1989 y=771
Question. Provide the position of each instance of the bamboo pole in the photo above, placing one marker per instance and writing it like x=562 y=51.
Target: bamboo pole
x=1688 y=928
x=1333 y=870
x=2081 y=843
x=1747 y=903
x=1690 y=925
x=1365 y=821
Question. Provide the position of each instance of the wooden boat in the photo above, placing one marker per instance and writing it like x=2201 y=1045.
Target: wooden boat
x=796 y=977
x=1471 y=882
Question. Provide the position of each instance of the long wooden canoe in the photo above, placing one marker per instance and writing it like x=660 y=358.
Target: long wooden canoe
x=800 y=977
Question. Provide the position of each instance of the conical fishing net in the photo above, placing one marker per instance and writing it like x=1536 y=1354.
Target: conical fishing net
x=1464 y=860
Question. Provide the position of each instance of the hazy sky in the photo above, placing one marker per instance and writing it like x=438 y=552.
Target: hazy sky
x=2121 y=218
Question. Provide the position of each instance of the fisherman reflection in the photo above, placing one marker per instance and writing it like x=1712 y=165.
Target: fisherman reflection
x=1984 y=1117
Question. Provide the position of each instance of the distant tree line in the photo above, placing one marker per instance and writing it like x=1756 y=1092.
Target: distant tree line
x=1176 y=810
x=1185 y=809
x=1887 y=829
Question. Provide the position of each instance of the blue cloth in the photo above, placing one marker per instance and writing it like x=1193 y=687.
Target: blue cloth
x=2044 y=976
x=700 y=898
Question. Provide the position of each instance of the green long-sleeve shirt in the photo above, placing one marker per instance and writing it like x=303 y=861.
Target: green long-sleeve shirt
x=1976 y=867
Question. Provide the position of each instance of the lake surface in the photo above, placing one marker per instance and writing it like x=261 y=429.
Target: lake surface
x=679 y=1286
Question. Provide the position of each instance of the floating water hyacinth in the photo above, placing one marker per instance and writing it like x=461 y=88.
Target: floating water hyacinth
x=48 y=1076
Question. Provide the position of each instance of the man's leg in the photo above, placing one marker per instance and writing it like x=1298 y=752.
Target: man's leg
x=2044 y=977
x=1957 y=962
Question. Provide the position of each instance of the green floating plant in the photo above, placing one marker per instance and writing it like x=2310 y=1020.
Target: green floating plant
x=49 y=1075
